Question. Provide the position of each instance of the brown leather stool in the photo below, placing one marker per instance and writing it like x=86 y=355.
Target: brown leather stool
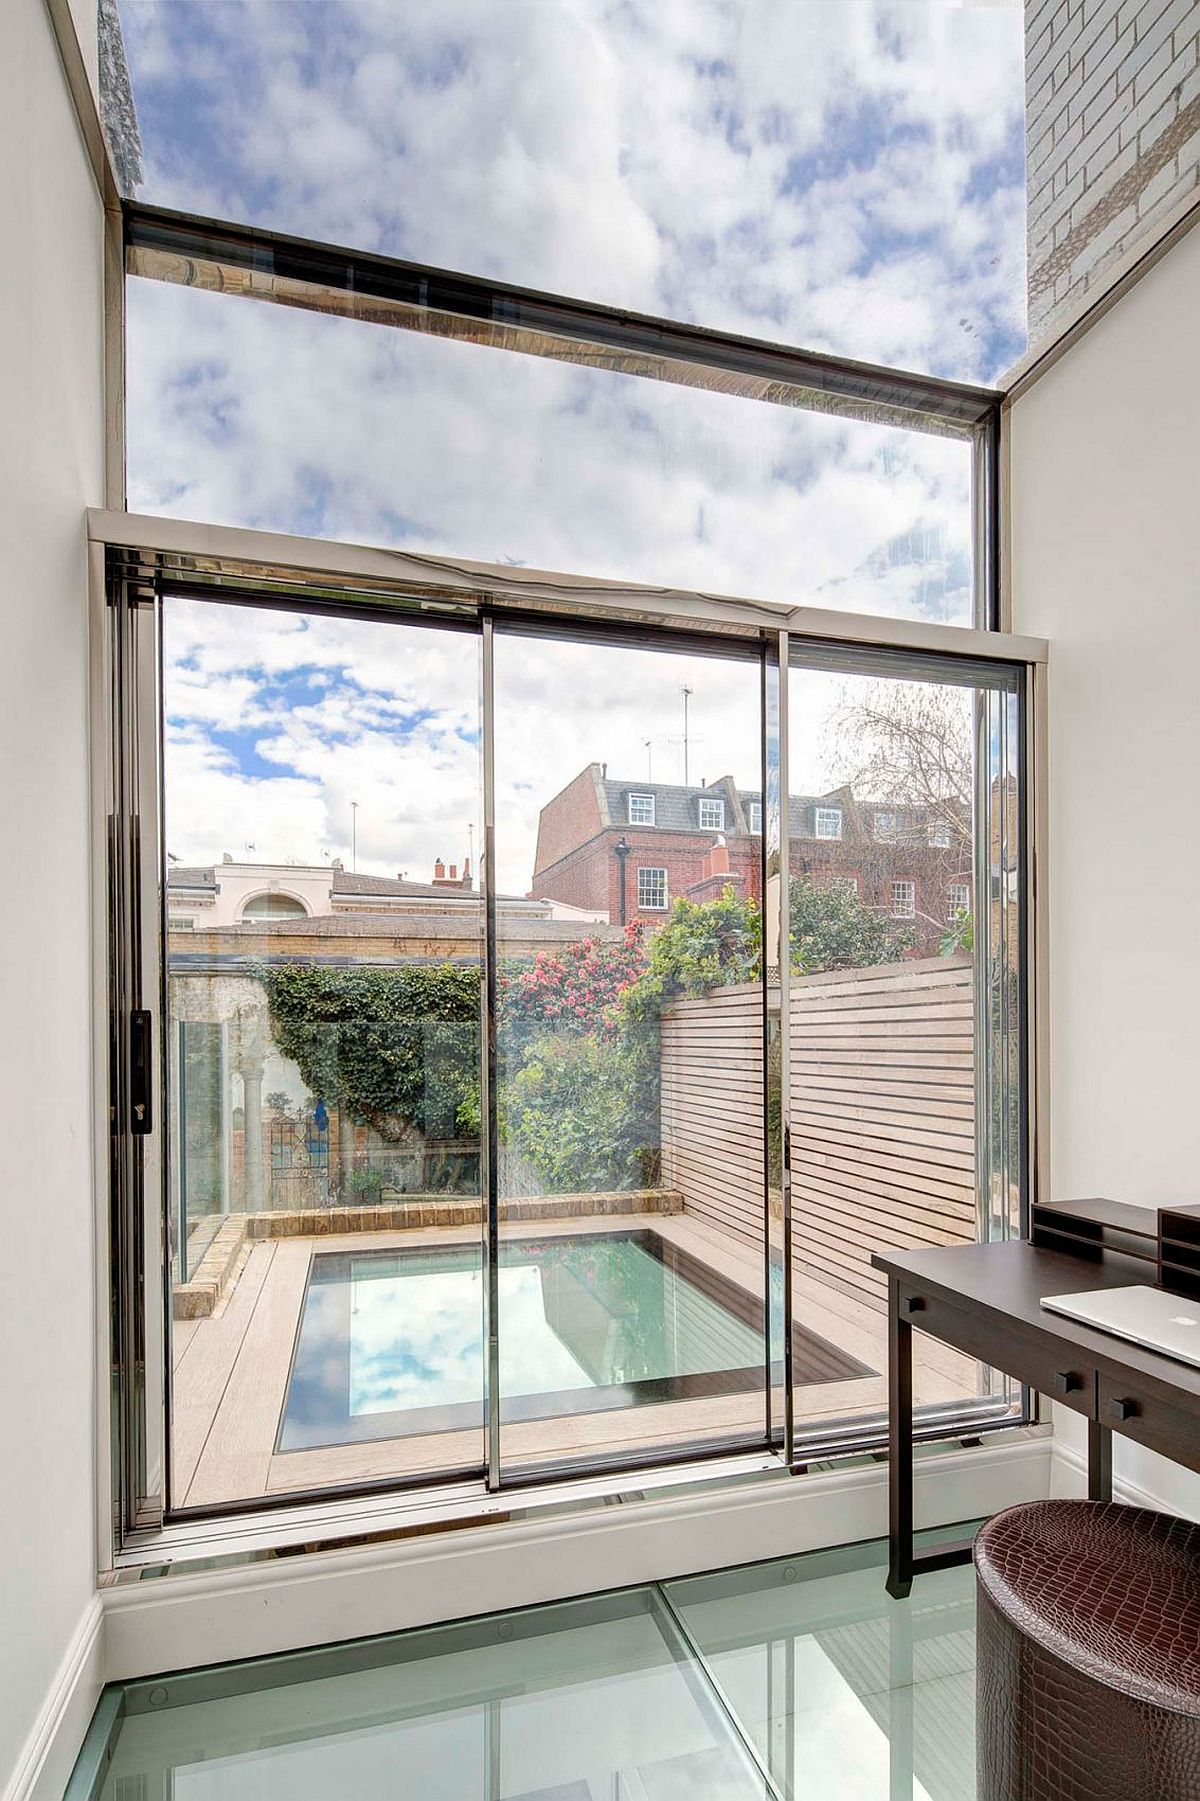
x=1088 y=1654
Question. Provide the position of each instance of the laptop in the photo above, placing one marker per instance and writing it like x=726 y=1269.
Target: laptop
x=1146 y=1316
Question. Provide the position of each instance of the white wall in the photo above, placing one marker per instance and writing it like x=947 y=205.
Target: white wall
x=50 y=468
x=1105 y=462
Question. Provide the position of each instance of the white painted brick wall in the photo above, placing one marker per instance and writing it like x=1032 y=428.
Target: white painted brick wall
x=1112 y=96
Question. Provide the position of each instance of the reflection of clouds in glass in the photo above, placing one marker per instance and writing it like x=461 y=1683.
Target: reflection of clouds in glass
x=416 y=1340
x=416 y=1334
x=845 y=176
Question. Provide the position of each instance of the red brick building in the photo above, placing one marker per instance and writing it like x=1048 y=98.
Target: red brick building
x=632 y=848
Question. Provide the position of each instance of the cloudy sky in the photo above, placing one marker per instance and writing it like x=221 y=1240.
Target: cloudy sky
x=827 y=173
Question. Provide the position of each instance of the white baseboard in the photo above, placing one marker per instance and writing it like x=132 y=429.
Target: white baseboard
x=253 y=1610
x=1068 y=1481
x=50 y=1751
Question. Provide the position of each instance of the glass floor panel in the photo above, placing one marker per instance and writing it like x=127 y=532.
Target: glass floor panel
x=796 y=1678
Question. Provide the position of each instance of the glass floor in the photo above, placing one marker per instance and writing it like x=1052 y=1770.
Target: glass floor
x=789 y=1679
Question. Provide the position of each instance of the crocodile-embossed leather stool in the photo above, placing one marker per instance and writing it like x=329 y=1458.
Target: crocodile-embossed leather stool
x=1088 y=1654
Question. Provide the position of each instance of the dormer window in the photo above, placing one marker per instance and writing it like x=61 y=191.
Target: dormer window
x=712 y=814
x=828 y=823
x=885 y=827
x=939 y=834
x=754 y=816
x=641 y=809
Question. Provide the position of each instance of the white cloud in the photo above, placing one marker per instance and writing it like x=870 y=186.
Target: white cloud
x=827 y=172
x=715 y=161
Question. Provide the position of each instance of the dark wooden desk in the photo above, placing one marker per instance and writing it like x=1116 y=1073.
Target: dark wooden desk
x=984 y=1299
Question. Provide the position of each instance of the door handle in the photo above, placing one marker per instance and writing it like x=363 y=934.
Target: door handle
x=1066 y=1382
x=1123 y=1408
x=141 y=1075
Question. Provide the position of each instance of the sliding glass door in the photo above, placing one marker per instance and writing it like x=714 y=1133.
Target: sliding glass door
x=323 y=939
x=904 y=910
x=632 y=1274
x=553 y=1018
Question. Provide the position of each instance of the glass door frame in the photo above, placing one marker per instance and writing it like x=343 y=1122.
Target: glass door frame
x=759 y=648
x=146 y=556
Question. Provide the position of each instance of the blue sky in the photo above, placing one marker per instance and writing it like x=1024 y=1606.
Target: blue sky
x=841 y=174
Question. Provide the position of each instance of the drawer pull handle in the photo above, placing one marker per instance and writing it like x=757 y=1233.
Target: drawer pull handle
x=1066 y=1382
x=914 y=1304
x=1123 y=1408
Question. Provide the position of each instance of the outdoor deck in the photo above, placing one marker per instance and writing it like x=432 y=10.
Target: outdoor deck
x=232 y=1371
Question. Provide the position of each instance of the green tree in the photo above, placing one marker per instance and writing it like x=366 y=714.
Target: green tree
x=959 y=934
x=703 y=945
x=832 y=929
x=584 y=1111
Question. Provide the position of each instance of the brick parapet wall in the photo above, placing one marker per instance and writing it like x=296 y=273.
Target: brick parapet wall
x=1112 y=93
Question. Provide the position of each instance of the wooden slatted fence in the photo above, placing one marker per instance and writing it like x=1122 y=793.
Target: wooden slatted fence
x=882 y=1113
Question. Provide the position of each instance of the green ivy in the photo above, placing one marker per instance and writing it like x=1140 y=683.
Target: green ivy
x=397 y=1048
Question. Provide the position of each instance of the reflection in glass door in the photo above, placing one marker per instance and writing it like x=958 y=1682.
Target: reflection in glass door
x=323 y=930
x=904 y=909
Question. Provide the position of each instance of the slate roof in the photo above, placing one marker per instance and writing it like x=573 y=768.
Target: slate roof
x=676 y=808
x=346 y=883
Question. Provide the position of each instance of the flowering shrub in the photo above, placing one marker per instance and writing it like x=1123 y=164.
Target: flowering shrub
x=566 y=992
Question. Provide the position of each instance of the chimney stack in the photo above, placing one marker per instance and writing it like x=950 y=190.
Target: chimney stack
x=439 y=871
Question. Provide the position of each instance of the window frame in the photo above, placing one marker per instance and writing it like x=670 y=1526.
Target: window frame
x=177 y=549
x=130 y=554
x=653 y=869
x=711 y=800
x=909 y=886
x=649 y=799
x=826 y=813
x=953 y=909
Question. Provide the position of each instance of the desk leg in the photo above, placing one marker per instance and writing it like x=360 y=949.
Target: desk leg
x=900 y=1448
x=1099 y=1462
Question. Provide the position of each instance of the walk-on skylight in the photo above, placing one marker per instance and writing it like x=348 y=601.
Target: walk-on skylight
x=848 y=177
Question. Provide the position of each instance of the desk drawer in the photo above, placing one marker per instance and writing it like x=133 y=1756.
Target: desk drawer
x=1149 y=1421
x=1060 y=1373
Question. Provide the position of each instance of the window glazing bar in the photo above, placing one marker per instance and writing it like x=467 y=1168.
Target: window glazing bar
x=164 y=245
